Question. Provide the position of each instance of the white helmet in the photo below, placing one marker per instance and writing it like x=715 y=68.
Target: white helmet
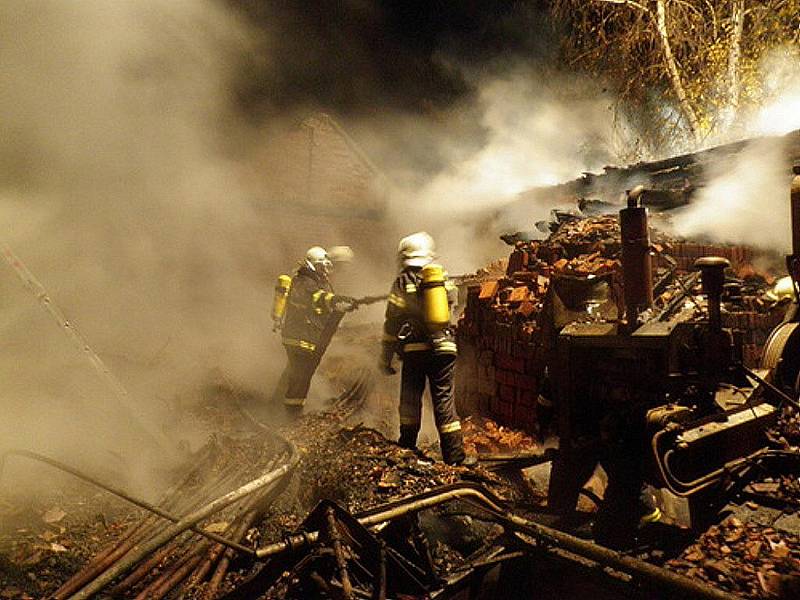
x=318 y=260
x=416 y=250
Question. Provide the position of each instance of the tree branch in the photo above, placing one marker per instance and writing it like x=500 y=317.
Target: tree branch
x=673 y=72
x=630 y=3
x=734 y=58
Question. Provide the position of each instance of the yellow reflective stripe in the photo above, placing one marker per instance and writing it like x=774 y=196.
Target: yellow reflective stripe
x=416 y=346
x=397 y=300
x=411 y=288
x=653 y=517
x=446 y=347
x=321 y=301
x=450 y=427
x=300 y=344
x=294 y=401
x=387 y=337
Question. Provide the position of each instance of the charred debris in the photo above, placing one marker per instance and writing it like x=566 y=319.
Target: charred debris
x=611 y=364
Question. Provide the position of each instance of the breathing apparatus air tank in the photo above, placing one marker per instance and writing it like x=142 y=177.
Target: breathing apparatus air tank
x=435 y=304
x=281 y=298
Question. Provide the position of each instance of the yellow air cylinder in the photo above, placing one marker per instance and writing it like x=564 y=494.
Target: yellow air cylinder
x=435 y=305
x=281 y=296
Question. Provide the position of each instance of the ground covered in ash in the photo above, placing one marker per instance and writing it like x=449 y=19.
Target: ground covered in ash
x=44 y=540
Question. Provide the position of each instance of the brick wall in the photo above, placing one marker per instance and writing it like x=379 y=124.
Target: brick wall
x=505 y=340
x=318 y=187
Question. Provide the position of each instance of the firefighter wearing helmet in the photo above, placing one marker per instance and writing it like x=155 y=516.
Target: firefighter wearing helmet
x=417 y=328
x=310 y=316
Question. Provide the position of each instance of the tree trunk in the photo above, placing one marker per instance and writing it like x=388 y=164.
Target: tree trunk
x=734 y=58
x=674 y=73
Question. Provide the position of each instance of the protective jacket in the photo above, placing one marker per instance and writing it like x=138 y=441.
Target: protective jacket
x=404 y=328
x=309 y=310
x=429 y=356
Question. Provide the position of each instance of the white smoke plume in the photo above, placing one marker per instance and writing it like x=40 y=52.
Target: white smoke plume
x=745 y=202
x=779 y=112
x=537 y=128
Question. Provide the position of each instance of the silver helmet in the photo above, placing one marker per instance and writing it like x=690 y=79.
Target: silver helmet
x=416 y=250
x=318 y=260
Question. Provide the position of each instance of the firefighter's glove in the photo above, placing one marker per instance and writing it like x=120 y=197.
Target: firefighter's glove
x=344 y=304
x=385 y=363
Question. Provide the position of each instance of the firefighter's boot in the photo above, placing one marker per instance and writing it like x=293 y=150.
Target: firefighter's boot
x=453 y=448
x=408 y=436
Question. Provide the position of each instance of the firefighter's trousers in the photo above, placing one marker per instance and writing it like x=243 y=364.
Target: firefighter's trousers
x=298 y=373
x=437 y=370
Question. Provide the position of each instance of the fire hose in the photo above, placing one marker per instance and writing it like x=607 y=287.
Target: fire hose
x=549 y=538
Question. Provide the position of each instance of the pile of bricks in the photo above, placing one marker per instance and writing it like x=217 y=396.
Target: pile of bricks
x=506 y=336
x=503 y=342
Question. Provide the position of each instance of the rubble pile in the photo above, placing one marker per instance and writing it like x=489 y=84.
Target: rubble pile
x=359 y=468
x=484 y=436
x=748 y=559
x=507 y=332
x=58 y=542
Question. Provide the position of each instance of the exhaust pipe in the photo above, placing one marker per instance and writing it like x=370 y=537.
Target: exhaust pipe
x=637 y=269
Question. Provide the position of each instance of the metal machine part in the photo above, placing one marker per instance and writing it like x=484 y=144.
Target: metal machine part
x=664 y=403
x=781 y=357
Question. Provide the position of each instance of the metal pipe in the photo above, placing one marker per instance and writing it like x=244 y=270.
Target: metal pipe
x=637 y=268
x=338 y=553
x=386 y=513
x=188 y=522
x=771 y=387
x=616 y=560
x=122 y=494
x=795 y=204
x=712 y=278
x=486 y=501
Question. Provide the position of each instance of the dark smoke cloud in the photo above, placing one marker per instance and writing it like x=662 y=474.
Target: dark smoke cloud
x=405 y=76
x=357 y=57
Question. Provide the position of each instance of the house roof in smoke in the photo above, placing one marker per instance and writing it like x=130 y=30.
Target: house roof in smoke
x=675 y=179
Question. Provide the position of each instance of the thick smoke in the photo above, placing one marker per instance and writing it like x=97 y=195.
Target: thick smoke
x=780 y=110
x=746 y=201
x=121 y=191
x=535 y=127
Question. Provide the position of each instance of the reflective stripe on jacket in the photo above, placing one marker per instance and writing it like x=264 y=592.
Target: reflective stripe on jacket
x=404 y=326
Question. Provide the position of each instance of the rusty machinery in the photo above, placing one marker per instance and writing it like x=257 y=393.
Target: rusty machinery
x=665 y=400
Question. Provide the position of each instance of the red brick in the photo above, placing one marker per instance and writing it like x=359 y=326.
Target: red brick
x=519 y=294
x=526 y=399
x=509 y=363
x=507 y=393
x=506 y=411
x=526 y=309
x=517 y=261
x=526 y=382
x=488 y=290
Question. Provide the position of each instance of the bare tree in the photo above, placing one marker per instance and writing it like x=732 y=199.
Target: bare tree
x=684 y=69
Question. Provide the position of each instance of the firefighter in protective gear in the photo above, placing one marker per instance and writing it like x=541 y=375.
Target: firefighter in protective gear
x=427 y=350
x=313 y=313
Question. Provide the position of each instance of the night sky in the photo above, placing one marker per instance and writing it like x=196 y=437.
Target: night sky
x=356 y=56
